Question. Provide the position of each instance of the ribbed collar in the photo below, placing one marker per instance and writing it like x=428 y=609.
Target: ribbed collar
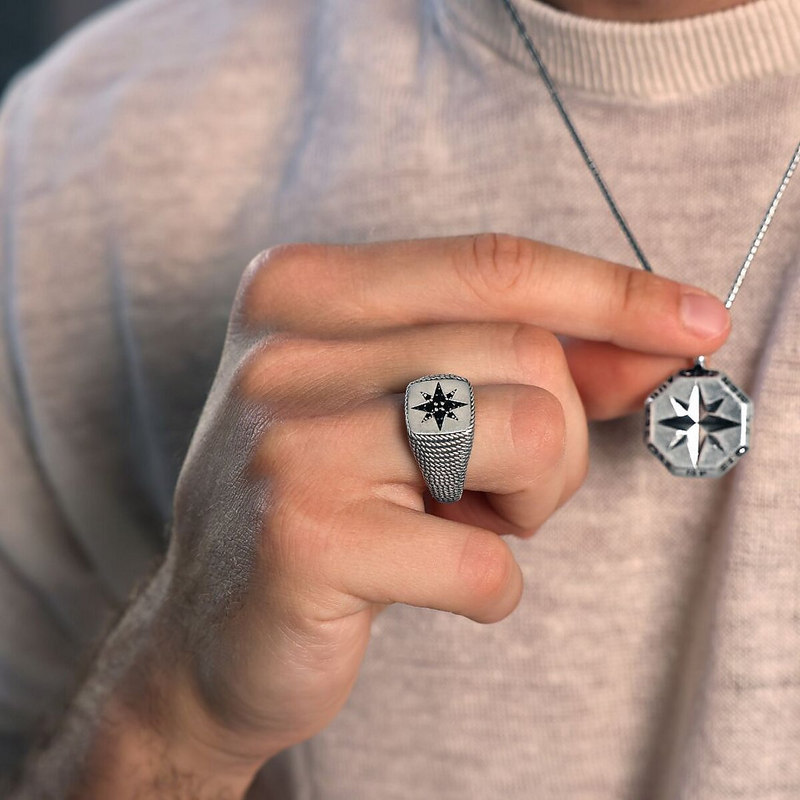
x=652 y=60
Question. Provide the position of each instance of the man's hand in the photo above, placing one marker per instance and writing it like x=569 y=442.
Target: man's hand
x=300 y=512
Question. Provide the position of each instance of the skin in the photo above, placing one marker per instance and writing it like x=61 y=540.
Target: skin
x=643 y=10
x=298 y=512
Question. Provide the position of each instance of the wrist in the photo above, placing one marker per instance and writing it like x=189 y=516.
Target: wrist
x=156 y=727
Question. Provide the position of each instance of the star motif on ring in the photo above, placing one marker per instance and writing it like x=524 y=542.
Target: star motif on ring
x=438 y=405
x=696 y=423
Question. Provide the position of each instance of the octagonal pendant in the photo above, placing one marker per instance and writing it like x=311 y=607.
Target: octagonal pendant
x=697 y=423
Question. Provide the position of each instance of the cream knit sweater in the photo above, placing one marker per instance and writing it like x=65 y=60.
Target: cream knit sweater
x=656 y=651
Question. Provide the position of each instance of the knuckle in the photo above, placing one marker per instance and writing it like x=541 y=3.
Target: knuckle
x=631 y=289
x=294 y=542
x=289 y=547
x=297 y=513
x=539 y=355
x=251 y=374
x=498 y=262
x=270 y=276
x=306 y=537
x=281 y=446
x=486 y=566
x=269 y=365
x=538 y=427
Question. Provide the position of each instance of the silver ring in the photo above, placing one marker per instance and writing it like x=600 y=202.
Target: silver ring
x=440 y=421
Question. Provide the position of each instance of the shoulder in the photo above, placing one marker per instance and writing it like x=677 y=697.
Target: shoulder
x=137 y=38
x=136 y=41
x=143 y=55
x=143 y=71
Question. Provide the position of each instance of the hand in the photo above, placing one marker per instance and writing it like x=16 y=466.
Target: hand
x=299 y=509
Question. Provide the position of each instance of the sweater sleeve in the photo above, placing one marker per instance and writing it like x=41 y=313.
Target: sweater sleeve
x=48 y=589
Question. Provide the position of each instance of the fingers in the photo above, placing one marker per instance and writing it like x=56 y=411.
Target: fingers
x=613 y=382
x=609 y=381
x=519 y=456
x=299 y=377
x=286 y=370
x=404 y=556
x=332 y=290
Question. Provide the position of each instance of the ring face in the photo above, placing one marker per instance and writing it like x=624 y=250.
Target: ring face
x=437 y=405
x=440 y=421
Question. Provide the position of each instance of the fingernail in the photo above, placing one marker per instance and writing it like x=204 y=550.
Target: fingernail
x=703 y=315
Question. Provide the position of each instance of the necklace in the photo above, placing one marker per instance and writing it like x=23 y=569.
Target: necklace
x=698 y=422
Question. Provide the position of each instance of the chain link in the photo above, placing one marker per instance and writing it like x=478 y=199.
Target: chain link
x=603 y=186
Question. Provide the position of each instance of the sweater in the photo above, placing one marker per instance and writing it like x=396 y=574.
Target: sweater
x=154 y=151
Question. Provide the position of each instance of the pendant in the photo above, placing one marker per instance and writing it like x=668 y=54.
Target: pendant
x=697 y=423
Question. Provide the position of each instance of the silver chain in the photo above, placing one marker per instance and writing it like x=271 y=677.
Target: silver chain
x=763 y=229
x=603 y=186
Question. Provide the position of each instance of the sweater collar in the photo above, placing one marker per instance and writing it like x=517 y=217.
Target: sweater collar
x=648 y=60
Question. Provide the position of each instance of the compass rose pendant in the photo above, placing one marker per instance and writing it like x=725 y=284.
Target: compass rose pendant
x=697 y=423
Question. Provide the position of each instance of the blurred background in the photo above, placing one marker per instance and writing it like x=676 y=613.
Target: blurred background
x=28 y=27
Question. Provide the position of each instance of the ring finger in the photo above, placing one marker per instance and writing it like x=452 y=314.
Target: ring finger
x=519 y=456
x=338 y=374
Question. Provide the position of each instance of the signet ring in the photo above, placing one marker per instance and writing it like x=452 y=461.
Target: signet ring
x=440 y=421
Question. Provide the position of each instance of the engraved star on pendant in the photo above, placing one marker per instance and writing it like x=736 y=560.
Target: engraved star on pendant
x=697 y=423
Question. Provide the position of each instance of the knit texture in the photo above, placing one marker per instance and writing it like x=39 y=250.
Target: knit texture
x=145 y=160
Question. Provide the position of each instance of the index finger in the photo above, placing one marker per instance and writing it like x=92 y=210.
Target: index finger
x=335 y=290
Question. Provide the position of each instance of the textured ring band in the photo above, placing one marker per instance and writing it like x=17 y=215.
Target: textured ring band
x=440 y=421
